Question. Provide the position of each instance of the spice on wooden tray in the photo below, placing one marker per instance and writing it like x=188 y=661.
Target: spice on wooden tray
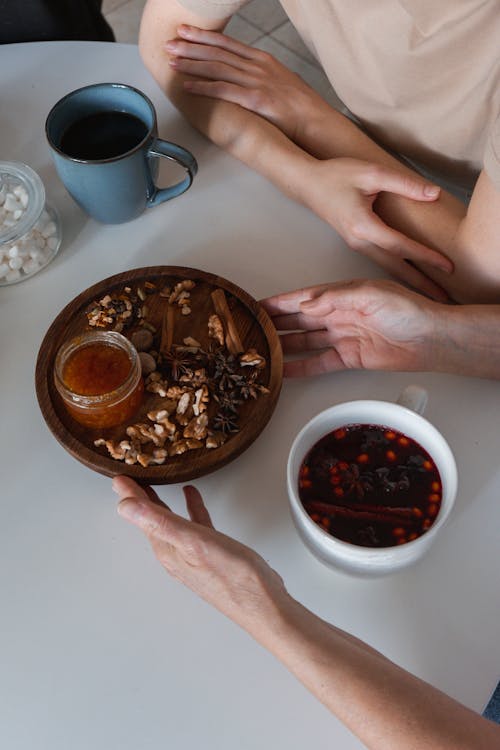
x=370 y=486
x=196 y=392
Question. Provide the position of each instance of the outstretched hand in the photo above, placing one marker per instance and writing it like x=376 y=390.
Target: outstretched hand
x=376 y=325
x=224 y=572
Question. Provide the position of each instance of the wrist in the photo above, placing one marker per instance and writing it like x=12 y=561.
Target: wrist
x=468 y=340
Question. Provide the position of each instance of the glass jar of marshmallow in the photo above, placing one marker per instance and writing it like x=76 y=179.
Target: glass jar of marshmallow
x=30 y=231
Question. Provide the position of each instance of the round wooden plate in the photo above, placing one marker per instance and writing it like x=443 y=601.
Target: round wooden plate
x=255 y=330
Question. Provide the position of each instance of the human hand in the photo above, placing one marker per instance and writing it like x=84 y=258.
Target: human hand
x=223 y=68
x=224 y=572
x=374 y=325
x=343 y=192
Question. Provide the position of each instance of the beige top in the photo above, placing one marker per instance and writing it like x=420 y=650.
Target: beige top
x=422 y=76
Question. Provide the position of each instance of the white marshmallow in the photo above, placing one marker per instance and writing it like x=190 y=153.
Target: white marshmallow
x=15 y=263
x=30 y=266
x=49 y=229
x=26 y=255
x=13 y=275
x=10 y=203
x=20 y=192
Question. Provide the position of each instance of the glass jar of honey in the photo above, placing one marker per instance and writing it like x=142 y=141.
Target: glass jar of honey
x=98 y=376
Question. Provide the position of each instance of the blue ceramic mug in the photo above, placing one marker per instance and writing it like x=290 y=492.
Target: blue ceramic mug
x=105 y=146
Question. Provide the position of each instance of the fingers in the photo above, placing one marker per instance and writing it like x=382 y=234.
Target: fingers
x=396 y=243
x=327 y=361
x=309 y=341
x=378 y=178
x=207 y=62
x=216 y=39
x=142 y=507
x=127 y=489
x=351 y=297
x=404 y=271
x=154 y=498
x=289 y=302
x=295 y=322
x=196 y=507
x=227 y=92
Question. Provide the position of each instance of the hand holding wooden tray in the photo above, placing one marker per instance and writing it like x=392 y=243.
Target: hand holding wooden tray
x=246 y=326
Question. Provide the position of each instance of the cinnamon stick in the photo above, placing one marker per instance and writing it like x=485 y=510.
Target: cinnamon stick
x=360 y=512
x=233 y=341
x=167 y=329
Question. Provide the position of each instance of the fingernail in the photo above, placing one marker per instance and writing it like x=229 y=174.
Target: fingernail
x=431 y=191
x=184 y=30
x=172 y=45
x=131 y=510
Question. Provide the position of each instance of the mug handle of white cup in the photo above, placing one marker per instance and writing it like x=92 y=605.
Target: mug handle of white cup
x=413 y=397
x=183 y=157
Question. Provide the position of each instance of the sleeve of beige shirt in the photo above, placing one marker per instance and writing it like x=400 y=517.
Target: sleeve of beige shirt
x=467 y=237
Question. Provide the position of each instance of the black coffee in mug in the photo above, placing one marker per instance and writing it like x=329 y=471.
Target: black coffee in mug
x=105 y=146
x=103 y=135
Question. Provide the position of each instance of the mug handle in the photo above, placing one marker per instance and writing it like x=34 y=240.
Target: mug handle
x=413 y=397
x=183 y=157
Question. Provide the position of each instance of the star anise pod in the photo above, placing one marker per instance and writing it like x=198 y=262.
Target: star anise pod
x=224 y=363
x=225 y=422
x=228 y=401
x=356 y=482
x=249 y=388
x=228 y=381
x=177 y=362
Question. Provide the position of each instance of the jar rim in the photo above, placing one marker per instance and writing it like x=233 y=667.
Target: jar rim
x=34 y=186
x=111 y=398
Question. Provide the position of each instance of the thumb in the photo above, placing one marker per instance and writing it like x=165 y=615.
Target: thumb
x=142 y=507
x=341 y=295
x=407 y=185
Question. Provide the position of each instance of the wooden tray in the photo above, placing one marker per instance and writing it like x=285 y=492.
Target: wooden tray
x=255 y=330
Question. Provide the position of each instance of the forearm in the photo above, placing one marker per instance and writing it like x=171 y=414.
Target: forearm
x=468 y=340
x=219 y=121
x=385 y=706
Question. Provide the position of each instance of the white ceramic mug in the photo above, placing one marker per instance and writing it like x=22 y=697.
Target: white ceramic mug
x=403 y=416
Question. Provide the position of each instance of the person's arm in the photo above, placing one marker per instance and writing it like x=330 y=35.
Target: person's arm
x=263 y=146
x=385 y=706
x=252 y=79
x=381 y=325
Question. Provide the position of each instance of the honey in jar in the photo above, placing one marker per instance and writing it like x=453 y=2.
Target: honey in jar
x=98 y=376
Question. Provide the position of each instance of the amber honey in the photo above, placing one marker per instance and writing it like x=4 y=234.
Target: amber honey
x=98 y=376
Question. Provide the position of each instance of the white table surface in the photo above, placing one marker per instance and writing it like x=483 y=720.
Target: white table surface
x=98 y=647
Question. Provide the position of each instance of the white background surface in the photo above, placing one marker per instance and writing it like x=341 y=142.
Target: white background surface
x=98 y=647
